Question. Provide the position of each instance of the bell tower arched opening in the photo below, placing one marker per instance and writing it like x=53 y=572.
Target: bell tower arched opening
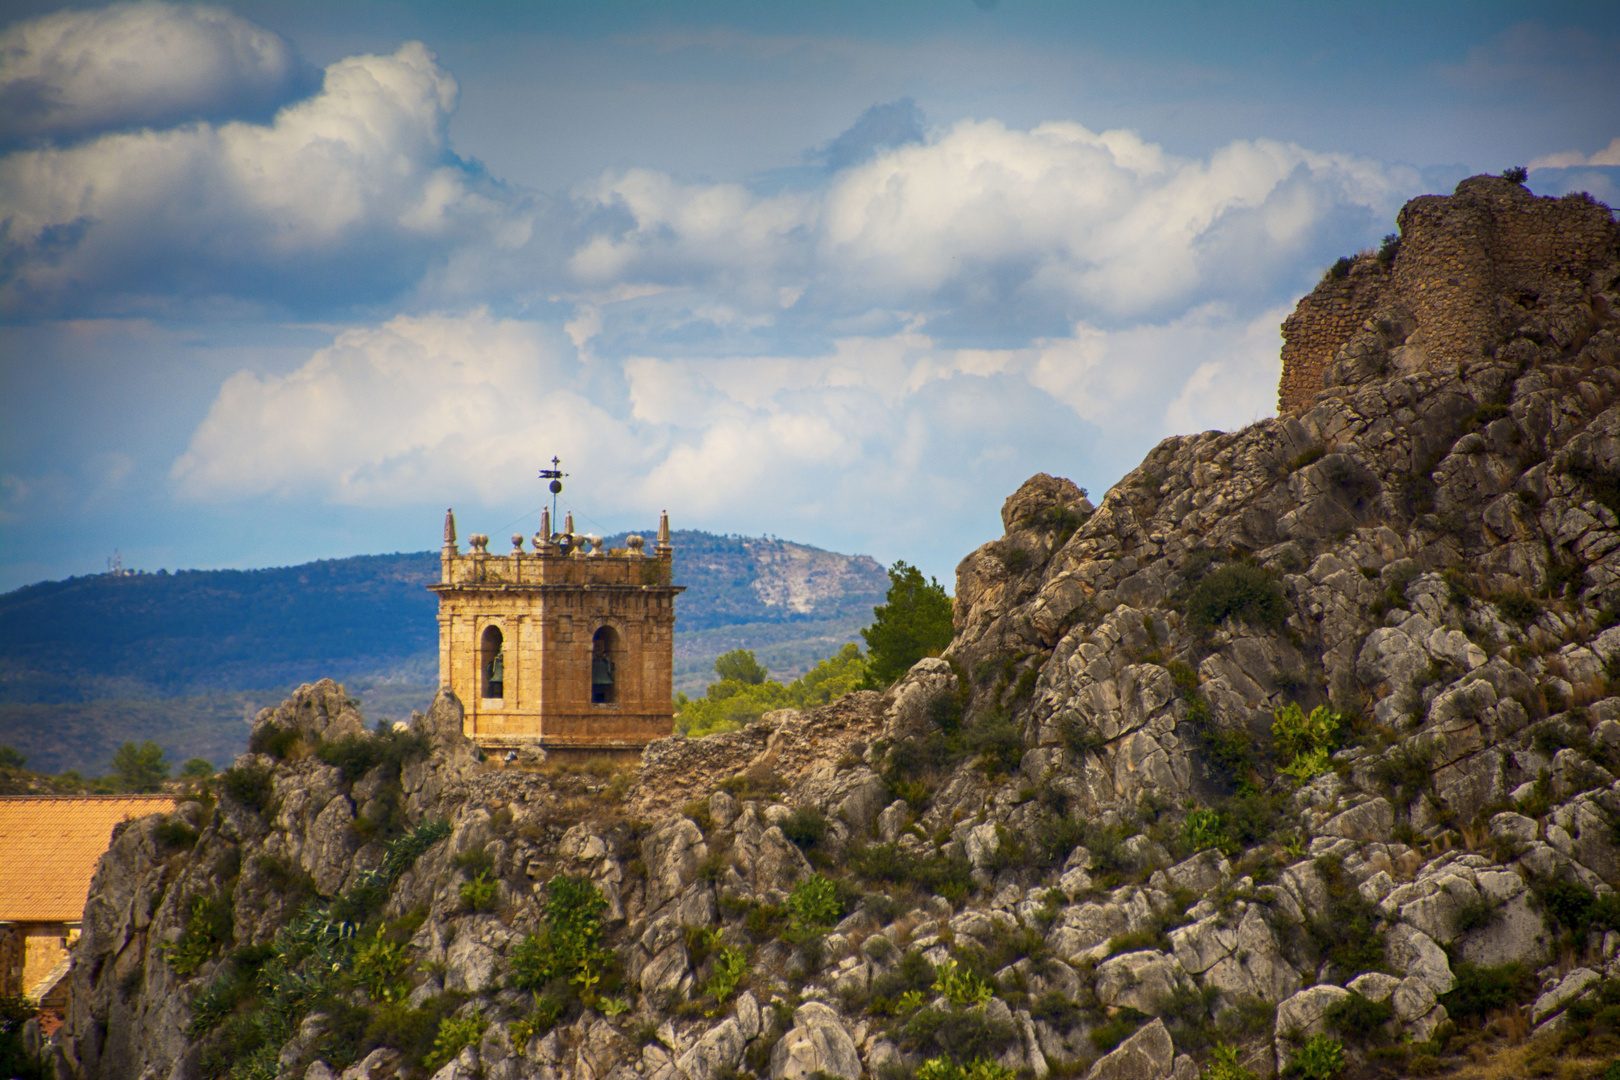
x=604 y=666
x=492 y=662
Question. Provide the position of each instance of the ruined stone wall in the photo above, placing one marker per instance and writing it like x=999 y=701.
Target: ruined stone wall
x=1324 y=321
x=1490 y=251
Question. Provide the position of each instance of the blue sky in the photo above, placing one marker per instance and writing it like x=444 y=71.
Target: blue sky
x=280 y=281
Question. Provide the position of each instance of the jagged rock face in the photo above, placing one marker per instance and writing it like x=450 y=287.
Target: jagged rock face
x=1431 y=548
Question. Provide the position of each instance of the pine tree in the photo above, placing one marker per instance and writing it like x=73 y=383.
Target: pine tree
x=914 y=623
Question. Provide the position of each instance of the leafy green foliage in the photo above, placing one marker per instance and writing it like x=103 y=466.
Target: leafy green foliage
x=139 y=768
x=1361 y=1020
x=456 y=1033
x=379 y=966
x=1116 y=1029
x=731 y=703
x=318 y=960
x=1482 y=990
x=479 y=893
x=1321 y=1058
x=730 y=968
x=1298 y=734
x=1345 y=933
x=209 y=925
x=944 y=1068
x=1242 y=590
x=739 y=665
x=914 y=622
x=805 y=827
x=1205 y=829
x=1226 y=1063
x=1518 y=174
x=960 y=986
x=274 y=740
x=813 y=904
x=947 y=876
x=1574 y=910
x=252 y=786
x=10 y=758
x=566 y=962
x=174 y=833
x=197 y=769
x=996 y=743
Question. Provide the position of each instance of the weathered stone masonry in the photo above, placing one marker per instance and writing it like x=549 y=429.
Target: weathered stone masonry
x=540 y=622
x=1459 y=256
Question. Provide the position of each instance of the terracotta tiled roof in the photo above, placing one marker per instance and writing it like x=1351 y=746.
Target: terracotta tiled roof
x=49 y=848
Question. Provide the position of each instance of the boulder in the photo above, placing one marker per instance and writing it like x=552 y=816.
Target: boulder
x=1147 y=1055
x=817 y=1043
x=1143 y=981
x=715 y=1054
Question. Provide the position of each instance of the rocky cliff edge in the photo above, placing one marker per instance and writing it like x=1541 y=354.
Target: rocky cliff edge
x=1298 y=750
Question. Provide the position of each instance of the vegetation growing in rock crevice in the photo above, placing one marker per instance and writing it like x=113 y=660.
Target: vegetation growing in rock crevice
x=261 y=994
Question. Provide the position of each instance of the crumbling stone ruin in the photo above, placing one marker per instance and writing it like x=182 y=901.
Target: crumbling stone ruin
x=1297 y=750
x=1471 y=270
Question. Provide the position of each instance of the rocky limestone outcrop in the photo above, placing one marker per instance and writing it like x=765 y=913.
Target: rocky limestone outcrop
x=1073 y=843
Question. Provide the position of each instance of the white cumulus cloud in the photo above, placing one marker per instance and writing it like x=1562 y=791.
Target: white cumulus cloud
x=1609 y=155
x=350 y=191
x=1056 y=219
x=75 y=72
x=395 y=413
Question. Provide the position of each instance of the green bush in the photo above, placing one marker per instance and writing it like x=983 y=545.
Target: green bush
x=172 y=832
x=1204 y=829
x=962 y=1033
x=812 y=905
x=960 y=986
x=1519 y=608
x=943 y=1068
x=806 y=827
x=479 y=893
x=913 y=974
x=210 y=924
x=379 y=966
x=996 y=742
x=1236 y=589
x=947 y=876
x=252 y=786
x=273 y=740
x=732 y=702
x=1361 y=1020
x=1225 y=1063
x=1483 y=990
x=1573 y=910
x=1321 y=1058
x=456 y=1033
x=566 y=960
x=1345 y=933
x=1116 y=1029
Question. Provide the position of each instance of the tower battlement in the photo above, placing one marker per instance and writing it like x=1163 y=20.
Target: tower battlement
x=566 y=647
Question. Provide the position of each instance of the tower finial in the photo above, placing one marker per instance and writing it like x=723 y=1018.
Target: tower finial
x=663 y=547
x=450 y=530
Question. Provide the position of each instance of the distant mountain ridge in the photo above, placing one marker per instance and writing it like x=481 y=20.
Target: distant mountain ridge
x=90 y=650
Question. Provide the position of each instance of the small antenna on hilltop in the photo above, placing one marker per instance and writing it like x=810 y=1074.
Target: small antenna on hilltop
x=555 y=475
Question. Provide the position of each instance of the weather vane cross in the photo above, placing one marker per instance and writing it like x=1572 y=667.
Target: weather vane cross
x=555 y=475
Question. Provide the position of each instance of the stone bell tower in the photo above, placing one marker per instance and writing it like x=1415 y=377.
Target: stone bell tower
x=567 y=647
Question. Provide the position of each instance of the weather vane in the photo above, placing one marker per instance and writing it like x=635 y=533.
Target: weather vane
x=555 y=475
